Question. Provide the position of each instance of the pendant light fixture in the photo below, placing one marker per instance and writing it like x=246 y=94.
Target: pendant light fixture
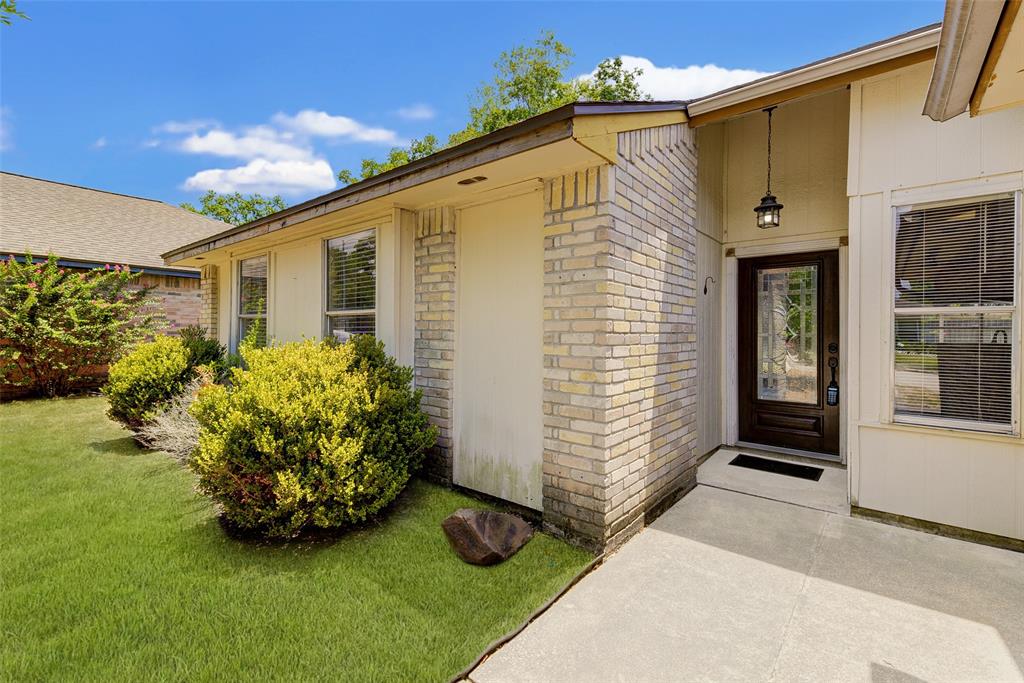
x=769 y=211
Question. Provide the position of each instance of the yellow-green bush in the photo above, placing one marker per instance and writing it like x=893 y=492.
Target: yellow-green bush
x=309 y=435
x=144 y=380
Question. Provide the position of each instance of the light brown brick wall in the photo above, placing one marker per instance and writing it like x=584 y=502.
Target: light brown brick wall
x=209 y=299
x=619 y=338
x=177 y=300
x=434 y=337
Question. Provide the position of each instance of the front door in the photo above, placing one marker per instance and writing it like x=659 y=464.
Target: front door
x=789 y=351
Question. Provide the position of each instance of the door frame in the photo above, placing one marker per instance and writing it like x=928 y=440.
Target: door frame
x=730 y=334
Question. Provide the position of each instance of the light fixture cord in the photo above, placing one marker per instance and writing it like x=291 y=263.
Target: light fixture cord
x=770 y=150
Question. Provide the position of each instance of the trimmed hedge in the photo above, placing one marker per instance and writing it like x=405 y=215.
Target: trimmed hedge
x=144 y=380
x=309 y=435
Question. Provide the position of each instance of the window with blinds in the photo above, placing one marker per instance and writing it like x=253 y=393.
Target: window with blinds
x=955 y=314
x=351 y=285
x=252 y=298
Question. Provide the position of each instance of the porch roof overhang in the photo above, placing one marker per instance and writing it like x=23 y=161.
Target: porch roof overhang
x=567 y=137
x=820 y=76
x=979 y=65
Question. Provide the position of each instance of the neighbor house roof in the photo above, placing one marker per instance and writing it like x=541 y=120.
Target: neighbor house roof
x=91 y=227
x=978 y=50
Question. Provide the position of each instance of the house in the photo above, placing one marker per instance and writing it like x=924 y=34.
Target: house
x=88 y=228
x=591 y=303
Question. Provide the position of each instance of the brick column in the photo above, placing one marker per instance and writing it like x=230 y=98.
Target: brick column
x=209 y=295
x=619 y=337
x=579 y=296
x=435 y=328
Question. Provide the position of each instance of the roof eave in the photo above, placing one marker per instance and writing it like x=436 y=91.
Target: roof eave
x=967 y=30
x=890 y=50
x=523 y=129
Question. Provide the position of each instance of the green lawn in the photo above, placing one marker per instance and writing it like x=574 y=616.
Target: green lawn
x=113 y=568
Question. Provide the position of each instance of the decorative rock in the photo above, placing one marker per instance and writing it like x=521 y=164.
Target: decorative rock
x=484 y=537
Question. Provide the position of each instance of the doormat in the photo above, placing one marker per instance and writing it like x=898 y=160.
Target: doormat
x=789 y=469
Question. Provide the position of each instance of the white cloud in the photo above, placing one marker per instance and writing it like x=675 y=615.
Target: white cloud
x=417 y=112
x=258 y=142
x=321 y=124
x=100 y=143
x=689 y=82
x=6 y=129
x=267 y=177
x=190 y=126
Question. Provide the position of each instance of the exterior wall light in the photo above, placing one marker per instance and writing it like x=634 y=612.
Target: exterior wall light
x=769 y=211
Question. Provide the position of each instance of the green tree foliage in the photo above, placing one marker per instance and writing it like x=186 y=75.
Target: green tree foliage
x=236 y=208
x=57 y=324
x=309 y=435
x=398 y=156
x=528 y=80
x=9 y=11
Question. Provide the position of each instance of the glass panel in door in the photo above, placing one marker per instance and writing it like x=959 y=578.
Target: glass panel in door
x=787 y=334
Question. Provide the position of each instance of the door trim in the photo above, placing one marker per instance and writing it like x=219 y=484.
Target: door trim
x=790 y=420
x=730 y=333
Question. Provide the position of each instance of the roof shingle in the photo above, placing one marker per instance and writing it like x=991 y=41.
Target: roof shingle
x=43 y=216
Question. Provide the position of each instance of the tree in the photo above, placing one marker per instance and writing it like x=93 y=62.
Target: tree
x=9 y=11
x=236 y=208
x=528 y=80
x=399 y=156
x=58 y=324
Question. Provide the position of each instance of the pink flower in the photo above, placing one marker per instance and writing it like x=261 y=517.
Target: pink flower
x=106 y=266
x=32 y=285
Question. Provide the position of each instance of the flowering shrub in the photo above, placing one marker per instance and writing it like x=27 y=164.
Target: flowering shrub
x=309 y=435
x=56 y=323
x=140 y=384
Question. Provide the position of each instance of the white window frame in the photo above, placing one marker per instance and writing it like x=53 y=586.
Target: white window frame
x=1013 y=429
x=325 y=289
x=236 y=336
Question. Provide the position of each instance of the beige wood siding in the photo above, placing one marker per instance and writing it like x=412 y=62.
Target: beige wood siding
x=898 y=156
x=499 y=349
x=709 y=345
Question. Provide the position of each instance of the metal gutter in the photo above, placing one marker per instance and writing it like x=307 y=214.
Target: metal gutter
x=875 y=53
x=967 y=30
x=188 y=273
x=561 y=114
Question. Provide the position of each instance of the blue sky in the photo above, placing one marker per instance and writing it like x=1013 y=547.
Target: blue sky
x=165 y=99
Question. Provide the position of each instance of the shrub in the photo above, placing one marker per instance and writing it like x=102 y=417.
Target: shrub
x=309 y=435
x=57 y=324
x=201 y=349
x=142 y=381
x=174 y=430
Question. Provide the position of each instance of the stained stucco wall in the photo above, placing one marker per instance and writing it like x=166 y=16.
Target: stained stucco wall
x=898 y=157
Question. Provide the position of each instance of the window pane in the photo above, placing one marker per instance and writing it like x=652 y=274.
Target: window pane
x=958 y=255
x=352 y=272
x=787 y=334
x=253 y=286
x=341 y=327
x=954 y=365
x=246 y=323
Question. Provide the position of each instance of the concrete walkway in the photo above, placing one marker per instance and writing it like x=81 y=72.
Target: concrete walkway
x=732 y=587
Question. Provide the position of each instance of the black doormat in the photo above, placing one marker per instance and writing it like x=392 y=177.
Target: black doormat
x=790 y=469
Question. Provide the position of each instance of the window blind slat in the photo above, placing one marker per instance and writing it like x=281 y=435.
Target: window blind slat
x=953 y=365
x=352 y=284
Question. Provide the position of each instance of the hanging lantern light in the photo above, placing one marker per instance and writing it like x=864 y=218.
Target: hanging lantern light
x=769 y=211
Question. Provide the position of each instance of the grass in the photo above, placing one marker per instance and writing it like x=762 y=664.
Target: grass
x=115 y=569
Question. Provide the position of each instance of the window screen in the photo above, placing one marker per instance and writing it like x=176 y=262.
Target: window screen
x=252 y=298
x=352 y=285
x=955 y=310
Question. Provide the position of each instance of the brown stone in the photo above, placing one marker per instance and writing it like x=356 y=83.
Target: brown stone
x=484 y=537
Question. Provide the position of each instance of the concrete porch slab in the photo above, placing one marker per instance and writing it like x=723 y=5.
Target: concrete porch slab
x=726 y=586
x=828 y=493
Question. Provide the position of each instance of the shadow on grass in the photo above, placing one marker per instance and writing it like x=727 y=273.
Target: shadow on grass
x=124 y=445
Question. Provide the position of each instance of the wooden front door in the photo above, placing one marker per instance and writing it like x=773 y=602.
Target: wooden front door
x=788 y=339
